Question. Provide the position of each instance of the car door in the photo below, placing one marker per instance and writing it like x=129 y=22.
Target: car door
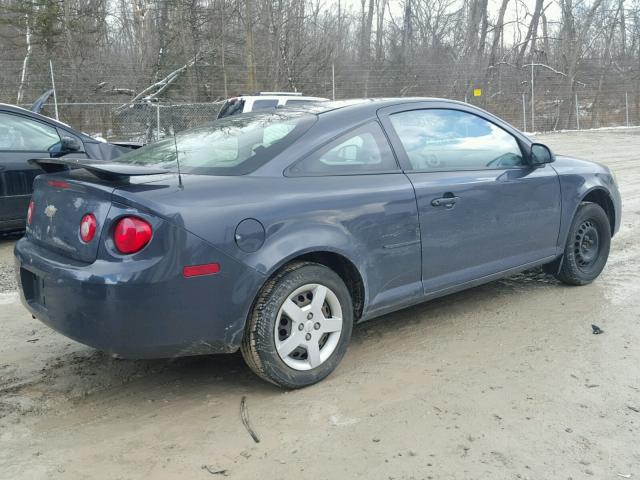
x=21 y=138
x=483 y=208
x=356 y=184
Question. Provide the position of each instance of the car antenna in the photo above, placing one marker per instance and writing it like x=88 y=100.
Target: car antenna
x=175 y=143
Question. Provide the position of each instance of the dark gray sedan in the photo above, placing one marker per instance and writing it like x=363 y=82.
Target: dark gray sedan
x=25 y=134
x=275 y=232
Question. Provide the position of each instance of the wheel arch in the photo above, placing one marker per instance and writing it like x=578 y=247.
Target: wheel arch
x=597 y=194
x=338 y=262
x=600 y=196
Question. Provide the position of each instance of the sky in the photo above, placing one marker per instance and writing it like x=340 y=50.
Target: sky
x=515 y=8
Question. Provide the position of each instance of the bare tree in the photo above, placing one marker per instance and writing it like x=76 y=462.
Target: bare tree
x=202 y=50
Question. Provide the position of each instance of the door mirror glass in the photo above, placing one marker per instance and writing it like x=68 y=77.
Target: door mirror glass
x=540 y=154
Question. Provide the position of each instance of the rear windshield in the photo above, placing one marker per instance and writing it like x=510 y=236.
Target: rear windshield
x=234 y=145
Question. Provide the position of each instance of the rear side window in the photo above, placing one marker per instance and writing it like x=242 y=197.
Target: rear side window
x=438 y=139
x=264 y=105
x=19 y=133
x=364 y=150
x=232 y=146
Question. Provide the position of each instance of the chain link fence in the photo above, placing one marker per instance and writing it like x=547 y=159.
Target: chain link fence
x=142 y=122
x=533 y=97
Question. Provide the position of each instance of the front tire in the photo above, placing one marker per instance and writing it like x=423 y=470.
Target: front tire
x=300 y=326
x=587 y=248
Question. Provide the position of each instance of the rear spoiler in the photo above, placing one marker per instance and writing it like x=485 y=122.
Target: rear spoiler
x=103 y=170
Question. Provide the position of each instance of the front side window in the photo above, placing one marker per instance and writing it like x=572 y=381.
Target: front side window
x=363 y=150
x=453 y=140
x=234 y=145
x=19 y=133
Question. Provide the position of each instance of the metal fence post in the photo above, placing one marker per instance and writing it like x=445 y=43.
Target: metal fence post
x=524 y=113
x=533 y=106
x=53 y=85
x=158 y=121
x=626 y=106
x=333 y=81
x=577 y=116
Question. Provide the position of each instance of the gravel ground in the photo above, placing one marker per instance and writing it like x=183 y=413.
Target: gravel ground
x=503 y=381
x=7 y=275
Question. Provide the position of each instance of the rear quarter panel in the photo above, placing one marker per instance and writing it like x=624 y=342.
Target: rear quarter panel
x=371 y=220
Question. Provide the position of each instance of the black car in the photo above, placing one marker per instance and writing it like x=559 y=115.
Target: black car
x=25 y=135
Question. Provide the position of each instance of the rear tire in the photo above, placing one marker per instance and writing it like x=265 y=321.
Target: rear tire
x=300 y=326
x=587 y=248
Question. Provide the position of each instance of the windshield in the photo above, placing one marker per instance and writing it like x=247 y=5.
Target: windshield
x=232 y=146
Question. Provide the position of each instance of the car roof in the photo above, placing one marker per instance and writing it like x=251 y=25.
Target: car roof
x=269 y=96
x=334 y=118
x=366 y=105
x=37 y=116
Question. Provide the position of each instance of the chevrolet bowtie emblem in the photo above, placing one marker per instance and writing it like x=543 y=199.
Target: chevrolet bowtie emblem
x=50 y=211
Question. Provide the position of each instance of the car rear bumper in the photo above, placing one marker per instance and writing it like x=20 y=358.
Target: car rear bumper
x=11 y=225
x=149 y=310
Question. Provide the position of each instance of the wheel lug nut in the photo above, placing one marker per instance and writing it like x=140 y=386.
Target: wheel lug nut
x=309 y=316
x=317 y=326
x=301 y=327
x=308 y=336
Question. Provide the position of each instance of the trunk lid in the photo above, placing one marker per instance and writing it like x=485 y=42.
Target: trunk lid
x=60 y=202
x=63 y=197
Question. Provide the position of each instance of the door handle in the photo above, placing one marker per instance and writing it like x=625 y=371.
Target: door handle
x=446 y=201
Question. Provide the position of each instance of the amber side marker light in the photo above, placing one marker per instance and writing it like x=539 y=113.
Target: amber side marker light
x=198 y=270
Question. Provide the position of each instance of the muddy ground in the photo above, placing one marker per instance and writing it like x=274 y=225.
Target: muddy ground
x=501 y=381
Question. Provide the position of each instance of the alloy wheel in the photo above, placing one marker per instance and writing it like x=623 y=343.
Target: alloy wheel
x=308 y=326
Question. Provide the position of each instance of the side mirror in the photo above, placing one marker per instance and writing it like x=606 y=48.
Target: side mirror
x=540 y=154
x=64 y=146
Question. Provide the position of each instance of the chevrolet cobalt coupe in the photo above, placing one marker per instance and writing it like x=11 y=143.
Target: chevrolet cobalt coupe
x=274 y=232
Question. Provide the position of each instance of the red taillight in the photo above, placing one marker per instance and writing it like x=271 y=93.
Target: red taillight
x=131 y=234
x=88 y=226
x=197 y=270
x=30 y=210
